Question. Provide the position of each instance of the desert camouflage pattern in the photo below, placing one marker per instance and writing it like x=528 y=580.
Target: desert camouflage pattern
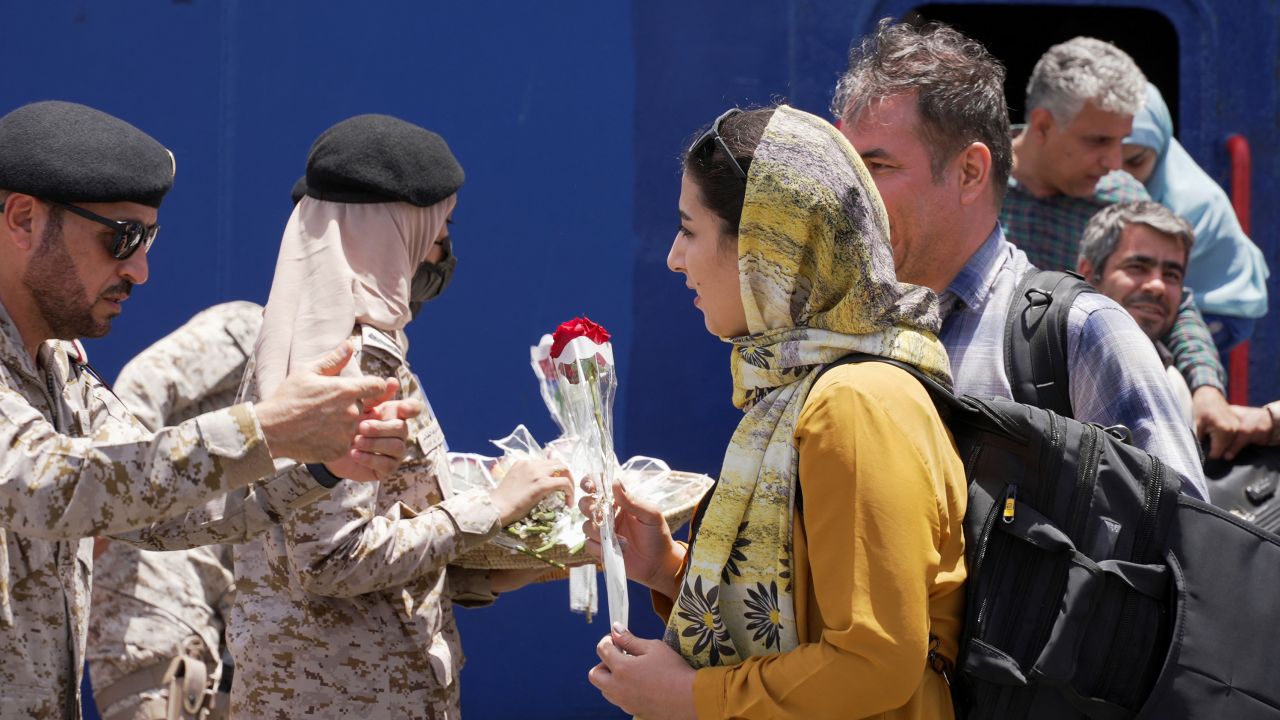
x=75 y=464
x=150 y=607
x=344 y=610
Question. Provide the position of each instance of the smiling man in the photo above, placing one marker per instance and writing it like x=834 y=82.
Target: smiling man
x=1136 y=254
x=80 y=191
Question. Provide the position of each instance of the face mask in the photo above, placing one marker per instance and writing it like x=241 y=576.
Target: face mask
x=432 y=278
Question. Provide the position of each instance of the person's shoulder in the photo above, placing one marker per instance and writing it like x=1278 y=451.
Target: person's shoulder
x=1119 y=186
x=1091 y=302
x=1103 y=329
x=871 y=387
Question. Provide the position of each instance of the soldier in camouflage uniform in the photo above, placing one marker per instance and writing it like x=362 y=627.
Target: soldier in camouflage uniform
x=156 y=614
x=79 y=191
x=344 y=610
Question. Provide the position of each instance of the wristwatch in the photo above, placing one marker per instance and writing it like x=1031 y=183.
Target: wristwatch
x=1273 y=409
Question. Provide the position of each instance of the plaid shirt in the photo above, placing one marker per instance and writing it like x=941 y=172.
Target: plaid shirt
x=1048 y=230
x=1117 y=377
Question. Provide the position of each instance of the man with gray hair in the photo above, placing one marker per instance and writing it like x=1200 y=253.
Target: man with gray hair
x=1080 y=104
x=1136 y=254
x=925 y=109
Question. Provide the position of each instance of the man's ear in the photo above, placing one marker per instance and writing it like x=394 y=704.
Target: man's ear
x=19 y=218
x=975 y=172
x=1085 y=268
x=1040 y=122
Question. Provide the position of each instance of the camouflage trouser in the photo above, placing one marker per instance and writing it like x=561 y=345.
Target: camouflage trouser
x=181 y=690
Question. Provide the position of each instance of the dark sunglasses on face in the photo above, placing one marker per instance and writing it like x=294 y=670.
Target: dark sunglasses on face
x=712 y=135
x=129 y=234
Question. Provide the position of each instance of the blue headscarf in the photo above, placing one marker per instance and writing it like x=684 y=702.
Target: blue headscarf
x=1226 y=271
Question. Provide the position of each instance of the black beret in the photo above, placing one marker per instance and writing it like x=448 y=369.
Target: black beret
x=299 y=190
x=378 y=158
x=70 y=152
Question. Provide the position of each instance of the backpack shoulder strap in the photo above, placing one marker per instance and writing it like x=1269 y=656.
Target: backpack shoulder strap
x=943 y=399
x=1035 y=339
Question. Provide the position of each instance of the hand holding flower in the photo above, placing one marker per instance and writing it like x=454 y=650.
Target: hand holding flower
x=643 y=677
x=651 y=556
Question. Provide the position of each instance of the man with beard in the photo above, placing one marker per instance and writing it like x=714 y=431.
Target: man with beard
x=1136 y=254
x=79 y=191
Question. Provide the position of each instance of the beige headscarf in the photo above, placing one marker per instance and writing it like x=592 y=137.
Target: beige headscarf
x=341 y=264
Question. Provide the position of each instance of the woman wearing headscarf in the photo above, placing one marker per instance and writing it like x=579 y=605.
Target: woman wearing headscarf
x=1226 y=272
x=344 y=608
x=824 y=576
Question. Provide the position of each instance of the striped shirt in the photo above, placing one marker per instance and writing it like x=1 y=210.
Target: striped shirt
x=1117 y=377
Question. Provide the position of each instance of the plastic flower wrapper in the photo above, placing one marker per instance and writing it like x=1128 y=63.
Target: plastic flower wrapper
x=584 y=367
x=545 y=370
x=554 y=521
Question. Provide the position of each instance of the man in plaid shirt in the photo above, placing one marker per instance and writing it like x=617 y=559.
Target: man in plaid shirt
x=925 y=109
x=1081 y=99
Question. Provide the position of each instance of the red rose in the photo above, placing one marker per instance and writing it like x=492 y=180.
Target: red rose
x=576 y=328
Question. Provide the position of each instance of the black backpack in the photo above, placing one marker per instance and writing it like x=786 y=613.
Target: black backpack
x=1095 y=589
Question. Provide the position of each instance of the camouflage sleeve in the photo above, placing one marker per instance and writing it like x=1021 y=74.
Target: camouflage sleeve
x=54 y=486
x=1194 y=353
x=237 y=517
x=339 y=547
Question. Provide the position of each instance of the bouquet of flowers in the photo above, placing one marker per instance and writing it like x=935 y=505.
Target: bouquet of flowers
x=551 y=534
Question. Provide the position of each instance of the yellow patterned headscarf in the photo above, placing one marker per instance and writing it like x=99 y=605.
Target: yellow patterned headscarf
x=818 y=284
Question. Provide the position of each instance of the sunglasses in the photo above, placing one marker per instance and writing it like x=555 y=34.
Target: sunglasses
x=129 y=234
x=712 y=135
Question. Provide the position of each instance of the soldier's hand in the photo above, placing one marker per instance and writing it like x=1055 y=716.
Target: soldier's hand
x=503 y=581
x=526 y=483
x=382 y=443
x=314 y=415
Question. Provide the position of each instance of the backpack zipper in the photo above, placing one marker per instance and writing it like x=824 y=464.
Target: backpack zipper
x=1051 y=457
x=988 y=527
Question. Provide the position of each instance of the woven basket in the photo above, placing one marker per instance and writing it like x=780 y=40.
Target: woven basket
x=492 y=556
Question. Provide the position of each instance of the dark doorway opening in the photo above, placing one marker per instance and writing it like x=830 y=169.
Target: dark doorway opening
x=1019 y=34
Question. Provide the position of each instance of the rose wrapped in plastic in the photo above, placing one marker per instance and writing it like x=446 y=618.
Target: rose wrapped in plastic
x=583 y=361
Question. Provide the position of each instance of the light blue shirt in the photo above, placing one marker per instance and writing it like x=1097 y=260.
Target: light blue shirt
x=1116 y=375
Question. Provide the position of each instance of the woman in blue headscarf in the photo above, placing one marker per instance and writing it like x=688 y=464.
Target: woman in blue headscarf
x=1226 y=272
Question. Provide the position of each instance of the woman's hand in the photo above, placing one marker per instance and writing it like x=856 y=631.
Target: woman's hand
x=652 y=557
x=643 y=677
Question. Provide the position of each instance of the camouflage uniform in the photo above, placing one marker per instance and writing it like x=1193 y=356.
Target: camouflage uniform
x=152 y=607
x=75 y=464
x=344 y=610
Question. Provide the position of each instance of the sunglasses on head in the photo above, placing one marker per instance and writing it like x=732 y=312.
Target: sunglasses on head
x=712 y=135
x=130 y=235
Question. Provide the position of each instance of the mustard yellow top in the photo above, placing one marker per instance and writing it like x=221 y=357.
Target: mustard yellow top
x=879 y=561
